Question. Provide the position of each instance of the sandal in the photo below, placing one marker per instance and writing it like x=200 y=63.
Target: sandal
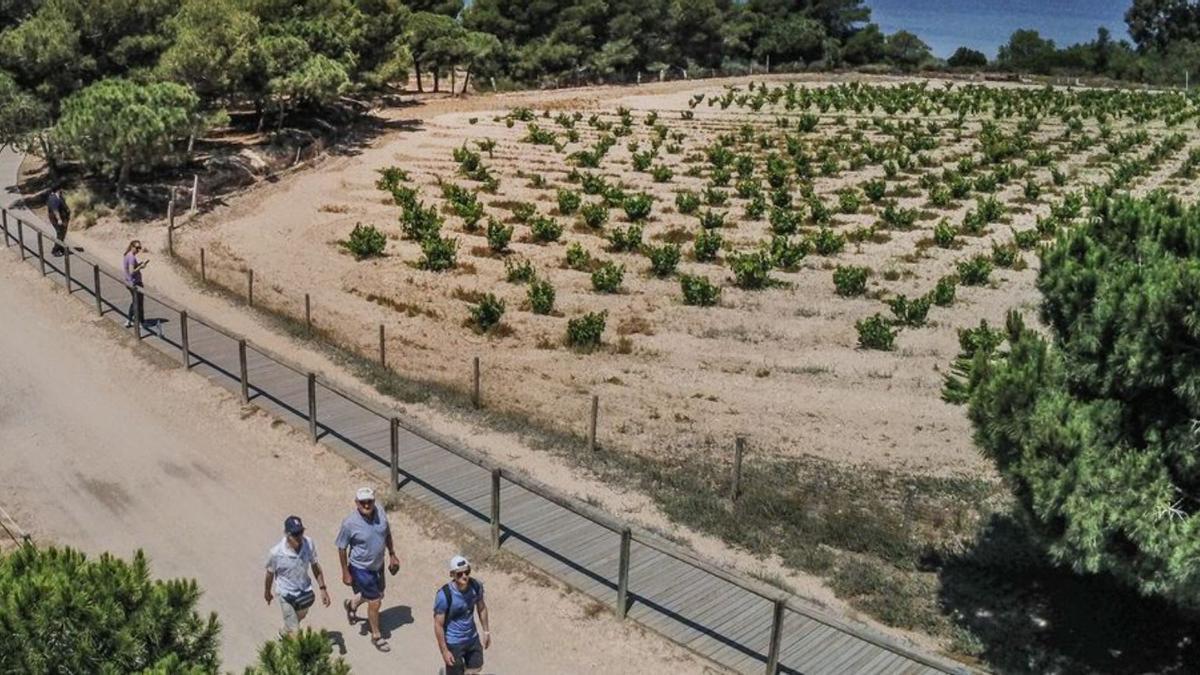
x=350 y=615
x=381 y=644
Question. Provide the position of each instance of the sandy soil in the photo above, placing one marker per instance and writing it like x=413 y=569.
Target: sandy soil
x=779 y=365
x=107 y=450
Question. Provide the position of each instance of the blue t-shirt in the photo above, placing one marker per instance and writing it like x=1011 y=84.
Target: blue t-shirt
x=365 y=540
x=460 y=623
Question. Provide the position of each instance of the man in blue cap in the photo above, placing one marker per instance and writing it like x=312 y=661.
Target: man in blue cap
x=287 y=574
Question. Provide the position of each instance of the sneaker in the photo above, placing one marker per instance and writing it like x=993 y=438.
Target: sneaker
x=129 y=324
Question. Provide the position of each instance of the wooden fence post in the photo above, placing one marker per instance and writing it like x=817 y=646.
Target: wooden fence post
x=67 y=266
x=250 y=287
x=171 y=225
x=243 y=371
x=203 y=270
x=41 y=253
x=195 y=189
x=776 y=635
x=592 y=425
x=308 y=314
x=185 y=347
x=312 y=407
x=21 y=237
x=623 y=574
x=739 y=449
x=395 y=445
x=495 y=509
x=96 y=289
x=382 y=348
x=475 y=394
x=4 y=226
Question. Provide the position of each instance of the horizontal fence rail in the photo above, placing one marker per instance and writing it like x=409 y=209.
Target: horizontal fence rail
x=740 y=623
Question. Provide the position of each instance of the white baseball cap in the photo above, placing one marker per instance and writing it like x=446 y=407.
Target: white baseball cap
x=459 y=563
x=364 y=493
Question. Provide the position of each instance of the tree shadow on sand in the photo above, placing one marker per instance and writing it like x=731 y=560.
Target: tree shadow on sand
x=1033 y=617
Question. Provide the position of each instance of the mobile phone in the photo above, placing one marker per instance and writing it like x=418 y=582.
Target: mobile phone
x=393 y=568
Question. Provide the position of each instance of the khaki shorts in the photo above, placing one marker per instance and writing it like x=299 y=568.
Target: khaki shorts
x=291 y=617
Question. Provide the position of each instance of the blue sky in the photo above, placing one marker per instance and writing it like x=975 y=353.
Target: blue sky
x=946 y=24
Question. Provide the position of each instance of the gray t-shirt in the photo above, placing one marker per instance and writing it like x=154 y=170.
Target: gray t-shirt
x=365 y=540
x=290 y=566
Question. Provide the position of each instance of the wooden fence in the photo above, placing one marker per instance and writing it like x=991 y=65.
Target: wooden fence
x=738 y=622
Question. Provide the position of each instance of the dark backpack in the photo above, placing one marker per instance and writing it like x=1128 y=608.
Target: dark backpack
x=471 y=585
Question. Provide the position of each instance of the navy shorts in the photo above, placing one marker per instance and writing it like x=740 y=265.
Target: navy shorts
x=367 y=583
x=466 y=655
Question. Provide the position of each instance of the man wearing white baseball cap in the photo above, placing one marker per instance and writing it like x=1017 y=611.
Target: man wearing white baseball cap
x=360 y=542
x=454 y=609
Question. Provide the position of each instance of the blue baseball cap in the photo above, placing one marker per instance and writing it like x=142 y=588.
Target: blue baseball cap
x=293 y=525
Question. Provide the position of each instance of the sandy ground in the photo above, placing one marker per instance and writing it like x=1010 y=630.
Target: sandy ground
x=107 y=450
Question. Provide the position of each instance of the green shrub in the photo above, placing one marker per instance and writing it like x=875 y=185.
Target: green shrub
x=849 y=200
x=781 y=198
x=418 y=222
x=541 y=296
x=594 y=215
x=910 y=312
x=1026 y=239
x=940 y=196
x=687 y=202
x=943 y=293
x=699 y=291
x=585 y=332
x=1032 y=190
x=487 y=313
x=784 y=221
x=614 y=196
x=1005 y=255
x=519 y=271
x=828 y=242
x=545 y=229
x=748 y=187
x=751 y=270
x=897 y=218
x=498 y=235
x=817 y=211
x=538 y=136
x=974 y=271
x=568 y=201
x=714 y=197
x=608 y=277
x=390 y=178
x=706 y=245
x=438 y=253
x=663 y=259
x=365 y=242
x=593 y=184
x=875 y=190
x=711 y=220
x=637 y=207
x=876 y=332
x=850 y=280
x=756 y=206
x=944 y=234
x=627 y=239
x=578 y=258
x=786 y=254
x=990 y=209
x=662 y=173
x=973 y=224
x=524 y=211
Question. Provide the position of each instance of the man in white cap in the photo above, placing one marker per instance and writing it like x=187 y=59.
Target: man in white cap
x=454 y=609
x=287 y=574
x=361 y=542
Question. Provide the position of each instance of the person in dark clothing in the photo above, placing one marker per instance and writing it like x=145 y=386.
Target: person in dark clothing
x=59 y=215
x=132 y=267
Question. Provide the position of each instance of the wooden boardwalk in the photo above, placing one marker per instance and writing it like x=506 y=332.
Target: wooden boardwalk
x=713 y=612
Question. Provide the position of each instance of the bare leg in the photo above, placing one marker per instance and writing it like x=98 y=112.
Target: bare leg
x=373 y=616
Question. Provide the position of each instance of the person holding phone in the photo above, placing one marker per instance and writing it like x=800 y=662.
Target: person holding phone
x=454 y=609
x=59 y=215
x=361 y=542
x=132 y=265
x=288 y=563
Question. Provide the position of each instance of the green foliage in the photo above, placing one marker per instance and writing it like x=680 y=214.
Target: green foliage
x=498 y=235
x=687 y=202
x=545 y=229
x=784 y=221
x=541 y=296
x=438 y=253
x=943 y=293
x=594 y=215
x=662 y=173
x=519 y=271
x=637 y=207
x=850 y=280
x=308 y=652
x=876 y=332
x=365 y=242
x=699 y=291
x=487 y=313
x=64 y=613
x=707 y=245
x=828 y=242
x=712 y=220
x=751 y=270
x=578 y=257
x=663 y=259
x=419 y=223
x=910 y=312
x=944 y=234
x=787 y=254
x=585 y=332
x=608 y=277
x=1005 y=255
x=390 y=178
x=875 y=189
x=975 y=270
x=627 y=239
x=568 y=201
x=849 y=200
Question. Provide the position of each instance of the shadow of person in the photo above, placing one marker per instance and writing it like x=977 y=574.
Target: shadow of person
x=394 y=617
x=1028 y=615
x=336 y=639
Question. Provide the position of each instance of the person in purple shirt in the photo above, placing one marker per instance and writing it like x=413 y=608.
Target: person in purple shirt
x=133 y=279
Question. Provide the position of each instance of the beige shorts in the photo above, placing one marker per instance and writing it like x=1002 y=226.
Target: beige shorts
x=291 y=617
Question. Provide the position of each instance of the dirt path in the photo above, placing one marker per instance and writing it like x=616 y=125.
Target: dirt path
x=107 y=450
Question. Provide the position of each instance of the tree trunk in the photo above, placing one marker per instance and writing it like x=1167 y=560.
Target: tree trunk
x=51 y=164
x=437 y=76
x=417 y=68
x=123 y=176
x=453 y=81
x=466 y=81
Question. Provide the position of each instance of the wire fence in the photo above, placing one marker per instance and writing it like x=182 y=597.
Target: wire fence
x=738 y=622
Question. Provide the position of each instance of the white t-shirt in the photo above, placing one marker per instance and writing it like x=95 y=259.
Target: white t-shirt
x=290 y=567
